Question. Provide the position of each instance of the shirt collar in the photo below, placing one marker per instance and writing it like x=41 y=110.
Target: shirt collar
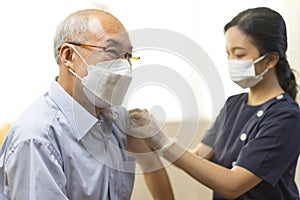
x=79 y=118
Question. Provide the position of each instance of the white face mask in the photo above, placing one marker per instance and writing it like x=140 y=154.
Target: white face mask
x=242 y=72
x=106 y=83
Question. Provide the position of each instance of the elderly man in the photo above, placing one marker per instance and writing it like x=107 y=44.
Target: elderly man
x=72 y=142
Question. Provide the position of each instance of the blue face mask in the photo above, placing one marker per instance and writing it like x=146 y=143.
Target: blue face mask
x=242 y=72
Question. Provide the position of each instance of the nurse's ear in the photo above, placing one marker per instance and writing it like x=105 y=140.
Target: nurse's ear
x=272 y=60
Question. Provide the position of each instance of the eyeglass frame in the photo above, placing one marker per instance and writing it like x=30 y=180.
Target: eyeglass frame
x=128 y=56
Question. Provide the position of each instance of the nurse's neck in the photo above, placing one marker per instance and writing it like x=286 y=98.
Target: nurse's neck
x=265 y=90
x=260 y=95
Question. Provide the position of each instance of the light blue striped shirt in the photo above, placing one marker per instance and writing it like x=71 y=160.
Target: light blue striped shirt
x=57 y=150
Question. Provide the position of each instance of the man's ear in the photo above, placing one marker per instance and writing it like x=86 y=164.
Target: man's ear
x=67 y=56
x=272 y=60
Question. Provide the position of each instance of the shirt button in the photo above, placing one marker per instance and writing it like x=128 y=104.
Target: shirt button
x=233 y=163
x=243 y=137
x=260 y=113
x=111 y=175
x=279 y=97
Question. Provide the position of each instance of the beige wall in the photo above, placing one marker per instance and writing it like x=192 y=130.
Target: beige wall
x=184 y=187
x=292 y=17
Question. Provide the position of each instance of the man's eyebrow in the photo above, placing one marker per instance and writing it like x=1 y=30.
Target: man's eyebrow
x=112 y=42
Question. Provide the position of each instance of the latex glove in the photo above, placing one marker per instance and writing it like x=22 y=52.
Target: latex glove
x=143 y=125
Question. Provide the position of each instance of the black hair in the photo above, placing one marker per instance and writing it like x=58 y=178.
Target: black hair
x=267 y=30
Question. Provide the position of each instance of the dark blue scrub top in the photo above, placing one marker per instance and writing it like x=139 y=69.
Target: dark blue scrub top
x=263 y=139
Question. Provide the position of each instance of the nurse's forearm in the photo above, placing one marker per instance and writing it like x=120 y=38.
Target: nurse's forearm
x=230 y=183
x=159 y=185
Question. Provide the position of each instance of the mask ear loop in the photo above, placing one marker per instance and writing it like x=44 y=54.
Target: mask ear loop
x=79 y=55
x=75 y=74
x=264 y=72
x=258 y=60
x=82 y=61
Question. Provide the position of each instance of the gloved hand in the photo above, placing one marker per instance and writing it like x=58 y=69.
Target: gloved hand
x=143 y=125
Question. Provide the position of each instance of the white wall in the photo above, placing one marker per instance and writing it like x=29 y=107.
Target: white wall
x=28 y=66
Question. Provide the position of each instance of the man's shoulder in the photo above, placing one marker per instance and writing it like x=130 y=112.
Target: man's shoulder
x=35 y=121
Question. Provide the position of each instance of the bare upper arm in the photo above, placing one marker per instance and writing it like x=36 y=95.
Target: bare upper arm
x=203 y=151
x=243 y=180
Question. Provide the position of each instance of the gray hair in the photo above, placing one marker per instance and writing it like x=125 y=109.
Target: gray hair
x=73 y=29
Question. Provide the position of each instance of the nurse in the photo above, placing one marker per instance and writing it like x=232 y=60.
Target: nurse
x=252 y=148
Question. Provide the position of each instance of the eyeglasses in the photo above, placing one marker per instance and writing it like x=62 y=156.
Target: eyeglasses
x=111 y=52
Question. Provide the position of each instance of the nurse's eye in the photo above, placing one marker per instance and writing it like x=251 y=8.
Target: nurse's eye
x=239 y=56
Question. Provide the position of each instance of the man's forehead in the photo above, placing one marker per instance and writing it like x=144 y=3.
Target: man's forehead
x=106 y=30
x=95 y=26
